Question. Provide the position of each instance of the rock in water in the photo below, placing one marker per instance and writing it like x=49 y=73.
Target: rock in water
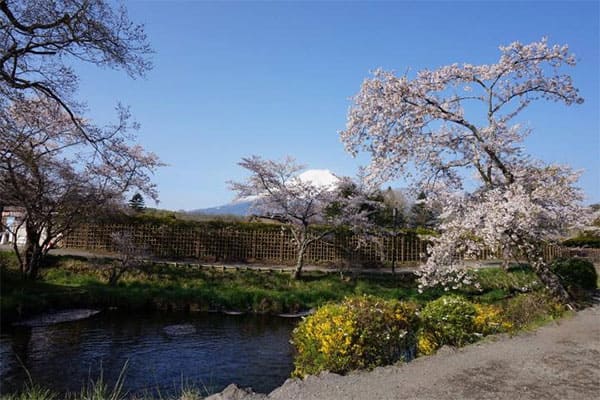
x=57 y=317
x=179 y=330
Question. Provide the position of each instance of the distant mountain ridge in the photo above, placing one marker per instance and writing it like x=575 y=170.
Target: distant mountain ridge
x=239 y=208
x=318 y=177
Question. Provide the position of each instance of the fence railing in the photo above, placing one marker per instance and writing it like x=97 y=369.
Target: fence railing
x=252 y=245
x=267 y=246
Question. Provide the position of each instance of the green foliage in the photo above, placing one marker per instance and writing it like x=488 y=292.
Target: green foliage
x=497 y=283
x=74 y=282
x=576 y=273
x=448 y=321
x=31 y=392
x=531 y=309
x=360 y=333
x=583 y=241
x=8 y=259
x=455 y=321
x=421 y=215
x=136 y=203
x=100 y=390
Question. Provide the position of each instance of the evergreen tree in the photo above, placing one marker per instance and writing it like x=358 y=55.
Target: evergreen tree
x=421 y=216
x=136 y=203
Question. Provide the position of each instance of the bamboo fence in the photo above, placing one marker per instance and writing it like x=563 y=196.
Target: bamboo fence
x=271 y=246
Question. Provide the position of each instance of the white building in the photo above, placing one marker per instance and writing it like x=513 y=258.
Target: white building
x=12 y=229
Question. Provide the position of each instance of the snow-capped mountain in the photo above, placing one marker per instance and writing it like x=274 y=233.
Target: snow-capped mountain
x=318 y=177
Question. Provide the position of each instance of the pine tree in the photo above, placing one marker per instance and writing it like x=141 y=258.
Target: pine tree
x=137 y=203
x=421 y=216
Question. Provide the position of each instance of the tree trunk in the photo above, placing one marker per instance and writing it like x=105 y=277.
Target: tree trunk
x=33 y=258
x=33 y=253
x=299 y=261
x=550 y=280
x=113 y=278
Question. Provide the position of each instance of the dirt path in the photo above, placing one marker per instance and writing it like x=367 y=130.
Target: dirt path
x=558 y=361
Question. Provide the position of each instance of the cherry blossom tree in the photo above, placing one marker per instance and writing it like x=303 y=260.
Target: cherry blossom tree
x=452 y=131
x=130 y=256
x=277 y=191
x=48 y=168
x=40 y=40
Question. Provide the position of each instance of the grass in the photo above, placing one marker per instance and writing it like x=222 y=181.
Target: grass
x=76 y=282
x=99 y=390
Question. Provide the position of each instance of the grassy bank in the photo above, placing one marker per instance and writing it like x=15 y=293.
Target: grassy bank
x=68 y=282
x=76 y=282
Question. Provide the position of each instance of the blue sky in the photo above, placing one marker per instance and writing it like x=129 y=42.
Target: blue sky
x=232 y=79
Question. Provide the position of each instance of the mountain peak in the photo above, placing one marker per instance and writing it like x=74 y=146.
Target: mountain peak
x=322 y=178
x=319 y=177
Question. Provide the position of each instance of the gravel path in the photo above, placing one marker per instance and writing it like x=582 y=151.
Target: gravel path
x=558 y=361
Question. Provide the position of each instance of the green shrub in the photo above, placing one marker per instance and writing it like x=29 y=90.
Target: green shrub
x=583 y=241
x=448 y=321
x=531 y=309
x=490 y=319
x=455 y=321
x=359 y=333
x=576 y=273
x=8 y=259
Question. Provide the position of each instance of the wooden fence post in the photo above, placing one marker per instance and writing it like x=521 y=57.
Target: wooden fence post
x=253 y=240
x=281 y=236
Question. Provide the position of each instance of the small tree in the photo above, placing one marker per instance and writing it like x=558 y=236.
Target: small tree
x=40 y=40
x=136 y=203
x=456 y=121
x=278 y=192
x=48 y=168
x=421 y=214
x=130 y=256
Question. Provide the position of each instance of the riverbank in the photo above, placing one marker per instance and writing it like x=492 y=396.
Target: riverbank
x=557 y=361
x=68 y=282
x=79 y=282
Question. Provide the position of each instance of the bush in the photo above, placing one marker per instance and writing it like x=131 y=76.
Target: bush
x=455 y=321
x=583 y=241
x=576 y=273
x=489 y=320
x=360 y=333
x=530 y=309
x=8 y=259
x=448 y=320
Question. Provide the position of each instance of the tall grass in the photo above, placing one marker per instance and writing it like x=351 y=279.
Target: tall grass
x=75 y=282
x=99 y=389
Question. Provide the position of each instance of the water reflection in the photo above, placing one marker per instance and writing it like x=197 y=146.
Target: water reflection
x=213 y=351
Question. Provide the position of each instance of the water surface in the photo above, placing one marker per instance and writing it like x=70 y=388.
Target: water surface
x=164 y=352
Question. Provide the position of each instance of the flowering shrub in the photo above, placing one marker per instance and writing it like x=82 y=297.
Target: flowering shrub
x=455 y=321
x=360 y=333
x=426 y=344
x=530 y=308
x=489 y=320
x=449 y=320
